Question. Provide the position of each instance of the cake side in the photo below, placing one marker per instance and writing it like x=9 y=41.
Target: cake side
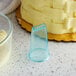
x=59 y=15
x=58 y=37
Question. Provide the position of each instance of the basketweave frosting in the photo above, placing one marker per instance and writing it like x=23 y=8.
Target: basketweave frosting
x=59 y=15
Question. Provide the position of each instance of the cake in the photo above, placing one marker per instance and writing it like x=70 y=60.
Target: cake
x=58 y=15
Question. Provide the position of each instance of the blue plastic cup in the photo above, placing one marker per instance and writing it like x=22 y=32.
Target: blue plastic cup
x=39 y=44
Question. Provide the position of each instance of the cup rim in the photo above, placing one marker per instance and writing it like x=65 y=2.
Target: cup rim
x=10 y=28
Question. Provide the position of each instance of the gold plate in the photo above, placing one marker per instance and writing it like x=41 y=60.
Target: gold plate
x=57 y=37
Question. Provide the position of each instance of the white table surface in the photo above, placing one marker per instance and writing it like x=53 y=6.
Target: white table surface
x=62 y=61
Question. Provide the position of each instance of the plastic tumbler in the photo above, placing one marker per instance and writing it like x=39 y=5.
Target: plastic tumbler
x=39 y=44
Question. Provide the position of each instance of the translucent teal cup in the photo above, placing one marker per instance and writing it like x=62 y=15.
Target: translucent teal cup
x=39 y=44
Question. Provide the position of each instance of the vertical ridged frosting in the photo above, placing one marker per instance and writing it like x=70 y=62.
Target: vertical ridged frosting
x=59 y=15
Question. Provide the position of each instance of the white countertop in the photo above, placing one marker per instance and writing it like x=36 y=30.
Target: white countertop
x=62 y=61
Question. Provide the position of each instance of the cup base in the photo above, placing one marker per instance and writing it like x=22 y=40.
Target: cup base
x=39 y=55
